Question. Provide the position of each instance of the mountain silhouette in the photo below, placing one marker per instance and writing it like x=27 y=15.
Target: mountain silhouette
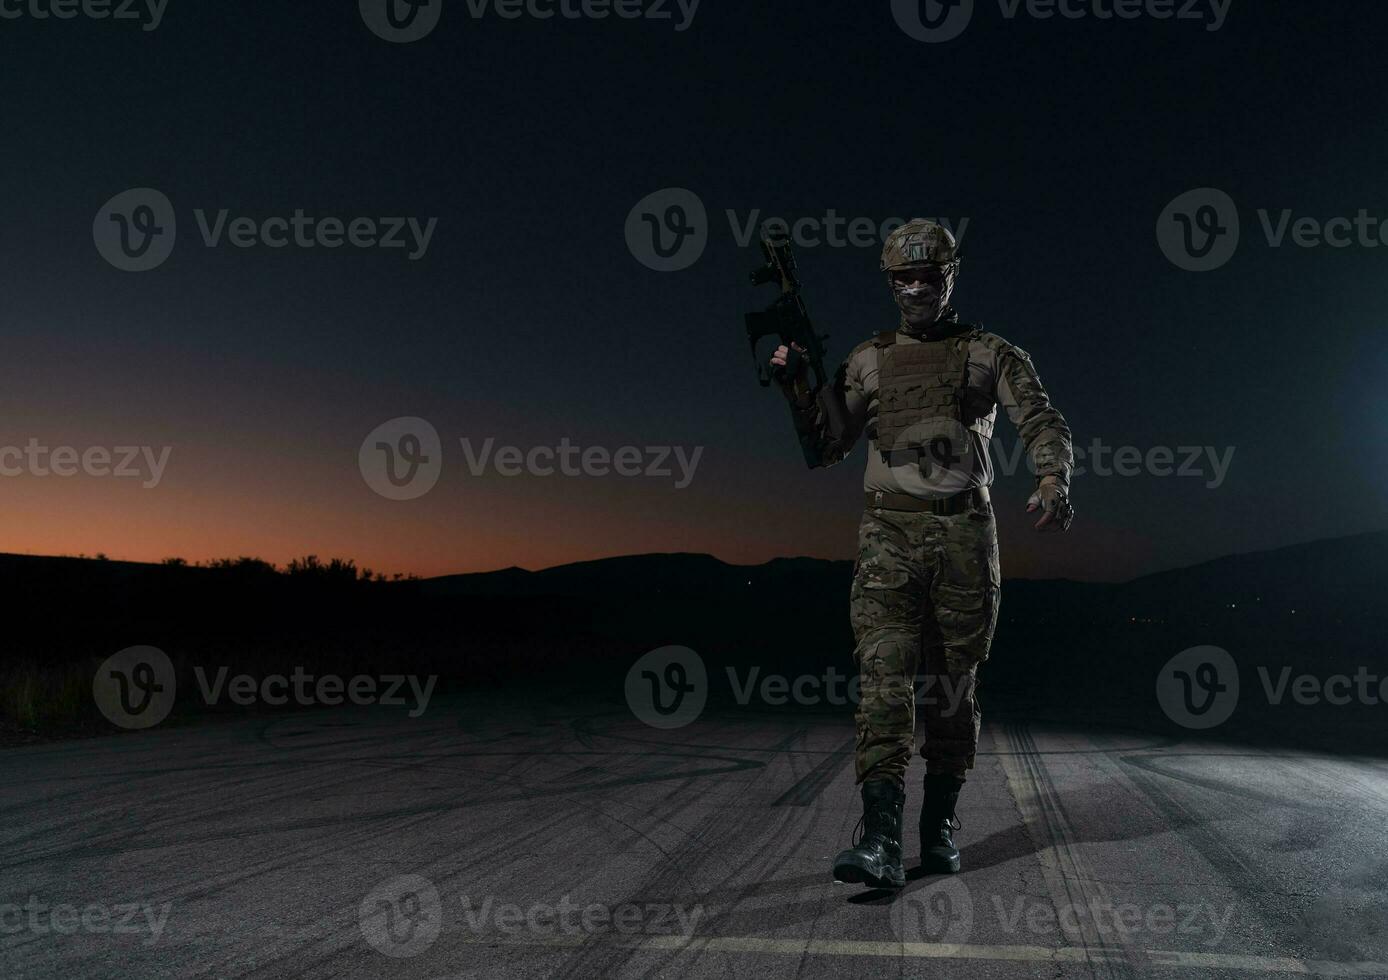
x=1062 y=647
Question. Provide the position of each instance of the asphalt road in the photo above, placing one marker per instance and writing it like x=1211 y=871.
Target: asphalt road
x=494 y=839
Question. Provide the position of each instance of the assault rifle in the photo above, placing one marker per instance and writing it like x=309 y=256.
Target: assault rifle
x=788 y=320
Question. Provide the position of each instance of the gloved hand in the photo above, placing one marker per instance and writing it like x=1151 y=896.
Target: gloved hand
x=1052 y=497
x=792 y=371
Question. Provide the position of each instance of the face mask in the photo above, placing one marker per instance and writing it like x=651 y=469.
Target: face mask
x=922 y=303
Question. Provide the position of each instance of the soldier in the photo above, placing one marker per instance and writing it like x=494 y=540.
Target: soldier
x=926 y=584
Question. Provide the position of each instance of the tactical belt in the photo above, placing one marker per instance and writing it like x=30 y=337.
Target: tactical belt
x=941 y=507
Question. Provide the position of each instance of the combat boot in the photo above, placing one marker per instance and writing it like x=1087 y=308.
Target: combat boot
x=875 y=858
x=938 y=823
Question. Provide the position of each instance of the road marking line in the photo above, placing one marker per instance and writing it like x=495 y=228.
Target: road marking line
x=1138 y=958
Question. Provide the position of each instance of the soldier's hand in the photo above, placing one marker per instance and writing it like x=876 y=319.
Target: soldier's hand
x=795 y=367
x=1053 y=499
x=792 y=371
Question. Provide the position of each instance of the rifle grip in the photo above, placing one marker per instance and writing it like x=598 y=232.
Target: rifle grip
x=793 y=362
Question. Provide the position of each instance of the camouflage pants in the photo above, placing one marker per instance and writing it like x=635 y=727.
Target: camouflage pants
x=925 y=598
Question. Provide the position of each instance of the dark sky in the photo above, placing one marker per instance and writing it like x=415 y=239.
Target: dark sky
x=529 y=320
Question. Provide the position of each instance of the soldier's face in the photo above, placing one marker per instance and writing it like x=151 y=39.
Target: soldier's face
x=922 y=292
x=925 y=275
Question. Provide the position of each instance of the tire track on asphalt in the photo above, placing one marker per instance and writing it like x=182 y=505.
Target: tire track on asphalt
x=1069 y=878
x=346 y=941
x=691 y=864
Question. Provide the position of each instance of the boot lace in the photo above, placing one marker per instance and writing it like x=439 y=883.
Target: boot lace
x=860 y=830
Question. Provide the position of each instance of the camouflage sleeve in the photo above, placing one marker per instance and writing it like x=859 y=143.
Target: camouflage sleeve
x=831 y=422
x=1043 y=429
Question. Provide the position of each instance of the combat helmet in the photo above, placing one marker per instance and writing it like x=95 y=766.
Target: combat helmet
x=920 y=241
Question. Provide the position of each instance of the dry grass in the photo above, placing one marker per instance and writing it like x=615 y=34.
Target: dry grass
x=36 y=697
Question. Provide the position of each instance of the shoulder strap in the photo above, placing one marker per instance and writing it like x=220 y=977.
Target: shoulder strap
x=884 y=339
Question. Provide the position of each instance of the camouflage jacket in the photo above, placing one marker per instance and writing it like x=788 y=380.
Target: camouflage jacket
x=999 y=373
